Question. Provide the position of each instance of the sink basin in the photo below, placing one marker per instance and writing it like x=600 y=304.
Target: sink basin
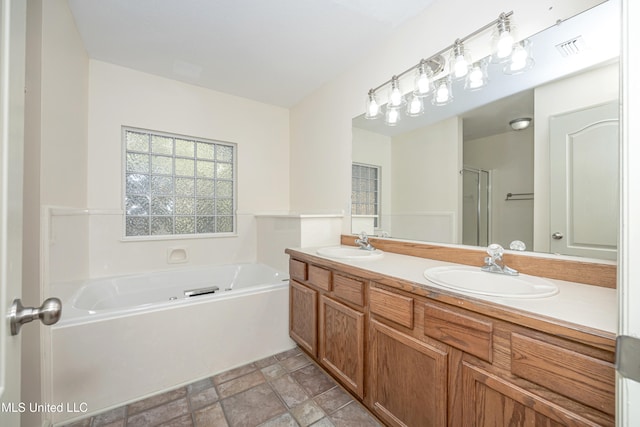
x=475 y=281
x=348 y=252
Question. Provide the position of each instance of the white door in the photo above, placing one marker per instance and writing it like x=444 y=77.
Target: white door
x=12 y=51
x=584 y=193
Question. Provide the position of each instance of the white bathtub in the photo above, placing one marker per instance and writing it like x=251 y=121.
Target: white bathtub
x=125 y=338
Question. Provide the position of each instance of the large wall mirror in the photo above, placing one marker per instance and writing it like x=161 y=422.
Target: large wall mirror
x=462 y=174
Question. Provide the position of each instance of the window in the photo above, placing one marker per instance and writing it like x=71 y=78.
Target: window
x=177 y=185
x=365 y=191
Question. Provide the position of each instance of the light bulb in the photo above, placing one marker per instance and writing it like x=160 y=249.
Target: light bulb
x=443 y=92
x=460 y=59
x=395 y=96
x=460 y=68
x=372 y=108
x=503 y=39
x=521 y=59
x=504 y=46
x=422 y=81
x=392 y=117
x=477 y=77
x=415 y=107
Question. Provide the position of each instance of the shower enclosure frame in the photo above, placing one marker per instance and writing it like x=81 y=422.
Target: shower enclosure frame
x=478 y=173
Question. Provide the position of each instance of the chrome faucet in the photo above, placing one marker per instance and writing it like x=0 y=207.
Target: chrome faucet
x=494 y=264
x=363 y=242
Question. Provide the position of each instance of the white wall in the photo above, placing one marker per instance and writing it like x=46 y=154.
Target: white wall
x=119 y=96
x=510 y=158
x=556 y=98
x=321 y=123
x=426 y=182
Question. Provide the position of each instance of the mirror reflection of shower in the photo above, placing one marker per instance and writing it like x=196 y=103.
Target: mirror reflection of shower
x=476 y=206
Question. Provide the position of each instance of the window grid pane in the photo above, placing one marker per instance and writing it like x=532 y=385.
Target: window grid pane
x=176 y=185
x=365 y=197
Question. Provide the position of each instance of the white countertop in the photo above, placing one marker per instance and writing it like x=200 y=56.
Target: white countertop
x=590 y=306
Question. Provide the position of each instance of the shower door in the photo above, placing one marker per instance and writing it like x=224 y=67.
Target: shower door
x=476 y=210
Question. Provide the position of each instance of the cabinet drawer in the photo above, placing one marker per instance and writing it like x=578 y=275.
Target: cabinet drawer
x=320 y=277
x=469 y=334
x=348 y=289
x=298 y=270
x=394 y=307
x=579 y=377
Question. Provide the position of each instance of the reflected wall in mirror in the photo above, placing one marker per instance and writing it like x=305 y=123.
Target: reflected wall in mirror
x=461 y=174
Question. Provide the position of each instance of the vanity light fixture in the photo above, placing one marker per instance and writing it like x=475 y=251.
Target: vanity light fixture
x=503 y=39
x=516 y=57
x=520 y=123
x=372 y=110
x=459 y=60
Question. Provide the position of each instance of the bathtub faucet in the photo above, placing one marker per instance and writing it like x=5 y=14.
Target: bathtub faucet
x=494 y=264
x=363 y=242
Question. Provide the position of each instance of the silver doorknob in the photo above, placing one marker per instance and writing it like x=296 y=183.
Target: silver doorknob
x=557 y=235
x=48 y=313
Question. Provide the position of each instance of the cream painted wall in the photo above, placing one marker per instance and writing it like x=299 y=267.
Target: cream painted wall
x=426 y=182
x=510 y=158
x=55 y=160
x=556 y=98
x=119 y=96
x=321 y=123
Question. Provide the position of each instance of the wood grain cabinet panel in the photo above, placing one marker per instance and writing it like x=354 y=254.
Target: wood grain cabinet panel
x=298 y=270
x=490 y=400
x=320 y=277
x=391 y=306
x=582 y=378
x=466 y=333
x=303 y=324
x=341 y=347
x=408 y=379
x=348 y=289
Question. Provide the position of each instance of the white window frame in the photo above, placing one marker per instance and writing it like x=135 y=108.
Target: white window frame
x=378 y=213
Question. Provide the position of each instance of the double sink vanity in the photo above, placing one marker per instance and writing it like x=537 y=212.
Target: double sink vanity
x=423 y=337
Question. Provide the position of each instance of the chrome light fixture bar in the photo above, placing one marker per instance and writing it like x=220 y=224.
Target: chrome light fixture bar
x=516 y=57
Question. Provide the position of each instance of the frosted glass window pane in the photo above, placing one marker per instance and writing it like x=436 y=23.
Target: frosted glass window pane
x=161 y=225
x=162 y=206
x=204 y=188
x=224 y=153
x=162 y=145
x=224 y=171
x=137 y=184
x=162 y=165
x=206 y=151
x=224 y=207
x=185 y=186
x=138 y=226
x=137 y=163
x=137 y=205
x=161 y=185
x=185 y=225
x=205 y=207
x=185 y=206
x=205 y=169
x=224 y=224
x=205 y=224
x=177 y=185
x=224 y=189
x=184 y=148
x=137 y=141
x=184 y=167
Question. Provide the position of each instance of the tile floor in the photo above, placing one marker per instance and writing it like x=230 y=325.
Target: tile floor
x=284 y=390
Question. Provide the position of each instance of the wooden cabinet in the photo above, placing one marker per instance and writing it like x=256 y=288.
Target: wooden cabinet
x=303 y=323
x=416 y=360
x=341 y=349
x=408 y=379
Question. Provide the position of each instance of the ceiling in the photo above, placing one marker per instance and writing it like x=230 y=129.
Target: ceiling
x=275 y=51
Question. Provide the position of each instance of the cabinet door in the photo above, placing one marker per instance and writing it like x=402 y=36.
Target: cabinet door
x=490 y=400
x=342 y=343
x=303 y=321
x=408 y=379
